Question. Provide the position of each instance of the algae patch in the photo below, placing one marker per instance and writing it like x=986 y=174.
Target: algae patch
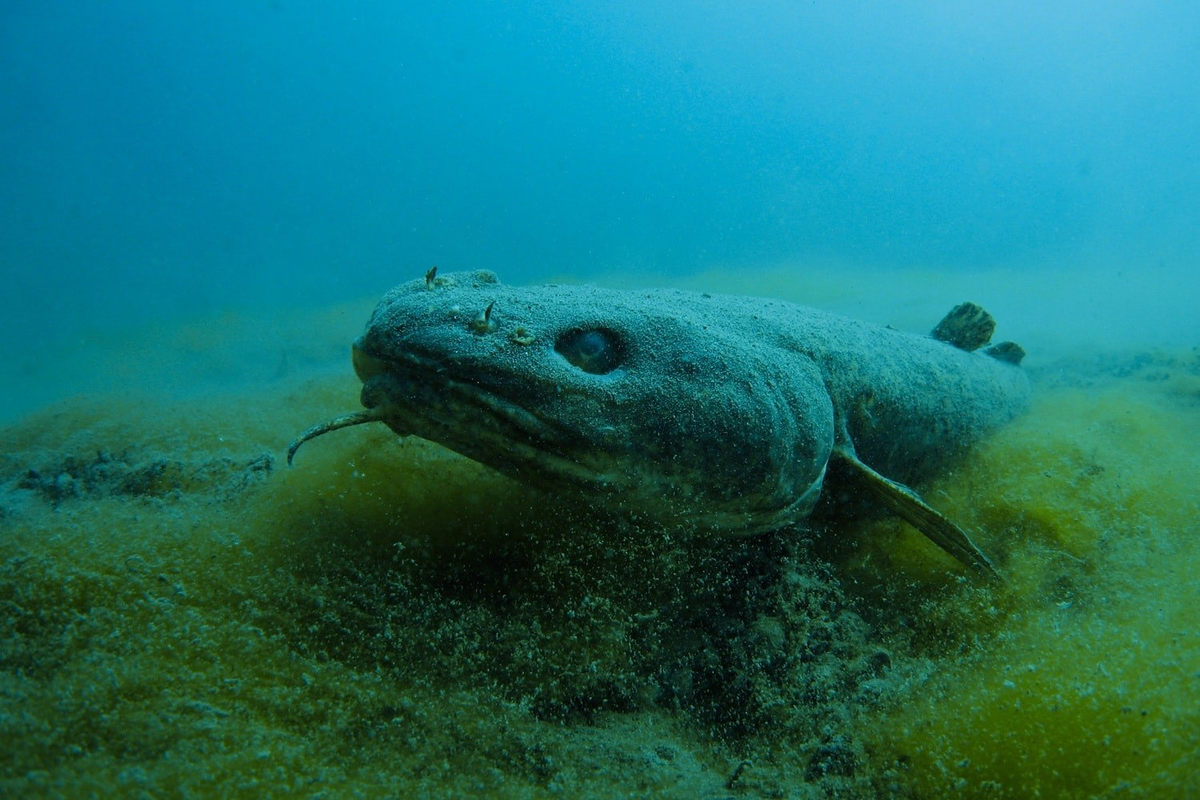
x=180 y=615
x=1080 y=678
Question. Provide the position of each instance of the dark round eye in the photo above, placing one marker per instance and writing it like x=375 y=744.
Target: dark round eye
x=593 y=351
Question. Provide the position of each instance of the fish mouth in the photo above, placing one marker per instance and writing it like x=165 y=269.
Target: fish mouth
x=420 y=395
x=366 y=365
x=416 y=385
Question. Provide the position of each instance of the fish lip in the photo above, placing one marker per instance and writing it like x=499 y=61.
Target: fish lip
x=366 y=365
x=412 y=396
x=401 y=384
x=423 y=395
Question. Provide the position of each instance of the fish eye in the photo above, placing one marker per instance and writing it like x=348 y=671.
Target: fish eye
x=595 y=351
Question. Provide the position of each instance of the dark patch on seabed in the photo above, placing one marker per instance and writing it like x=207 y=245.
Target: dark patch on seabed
x=179 y=617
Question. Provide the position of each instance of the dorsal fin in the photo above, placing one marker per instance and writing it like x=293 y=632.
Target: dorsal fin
x=967 y=327
x=1007 y=351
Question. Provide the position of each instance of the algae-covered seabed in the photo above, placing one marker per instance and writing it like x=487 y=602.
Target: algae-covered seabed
x=182 y=614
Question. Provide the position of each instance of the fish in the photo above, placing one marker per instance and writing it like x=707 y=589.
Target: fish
x=717 y=414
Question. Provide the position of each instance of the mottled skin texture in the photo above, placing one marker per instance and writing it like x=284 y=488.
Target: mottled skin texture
x=713 y=412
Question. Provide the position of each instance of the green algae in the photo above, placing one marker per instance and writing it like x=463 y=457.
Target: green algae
x=181 y=615
x=1080 y=678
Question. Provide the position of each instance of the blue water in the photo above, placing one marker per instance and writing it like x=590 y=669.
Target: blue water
x=162 y=158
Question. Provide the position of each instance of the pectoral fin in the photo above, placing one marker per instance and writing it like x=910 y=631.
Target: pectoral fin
x=906 y=504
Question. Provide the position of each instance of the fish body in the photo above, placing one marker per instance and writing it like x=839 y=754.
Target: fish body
x=717 y=413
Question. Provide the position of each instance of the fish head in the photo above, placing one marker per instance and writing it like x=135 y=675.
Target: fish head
x=650 y=401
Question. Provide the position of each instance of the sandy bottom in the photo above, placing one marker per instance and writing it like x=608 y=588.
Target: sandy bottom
x=184 y=614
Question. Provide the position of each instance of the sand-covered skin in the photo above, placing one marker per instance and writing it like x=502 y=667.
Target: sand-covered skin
x=183 y=614
x=716 y=412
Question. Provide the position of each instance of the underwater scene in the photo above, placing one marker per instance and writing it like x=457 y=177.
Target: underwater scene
x=660 y=399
